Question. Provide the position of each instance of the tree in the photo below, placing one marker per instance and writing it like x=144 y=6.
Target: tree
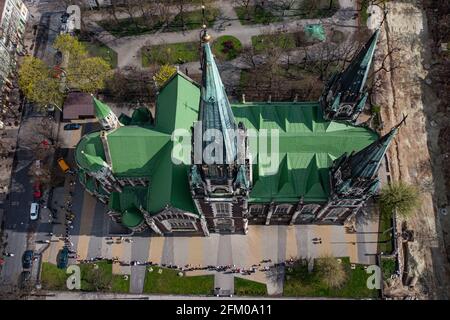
x=71 y=47
x=38 y=84
x=89 y=75
x=81 y=71
x=399 y=197
x=163 y=74
x=331 y=271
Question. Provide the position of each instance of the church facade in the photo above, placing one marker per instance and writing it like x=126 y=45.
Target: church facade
x=325 y=164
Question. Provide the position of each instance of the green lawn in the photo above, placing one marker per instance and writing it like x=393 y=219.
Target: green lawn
x=192 y=20
x=226 y=47
x=385 y=224
x=175 y=53
x=168 y=282
x=100 y=279
x=53 y=278
x=284 y=40
x=102 y=51
x=255 y=15
x=388 y=267
x=300 y=283
x=129 y=27
x=244 y=287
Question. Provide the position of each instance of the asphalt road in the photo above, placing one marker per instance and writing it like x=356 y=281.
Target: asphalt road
x=20 y=232
x=17 y=221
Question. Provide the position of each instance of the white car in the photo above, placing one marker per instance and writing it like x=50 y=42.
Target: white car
x=34 y=211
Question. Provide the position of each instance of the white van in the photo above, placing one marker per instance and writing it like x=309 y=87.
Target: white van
x=34 y=211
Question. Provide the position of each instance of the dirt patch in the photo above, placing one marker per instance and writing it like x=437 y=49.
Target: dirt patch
x=415 y=153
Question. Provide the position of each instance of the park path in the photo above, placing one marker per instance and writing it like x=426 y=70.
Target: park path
x=128 y=48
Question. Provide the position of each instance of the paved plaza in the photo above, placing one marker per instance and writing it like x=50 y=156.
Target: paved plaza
x=91 y=238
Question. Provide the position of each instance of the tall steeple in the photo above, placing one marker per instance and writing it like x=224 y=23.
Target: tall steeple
x=356 y=174
x=223 y=171
x=215 y=110
x=104 y=115
x=345 y=96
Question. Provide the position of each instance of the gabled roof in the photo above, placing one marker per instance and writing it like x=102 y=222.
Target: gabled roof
x=308 y=145
x=177 y=104
x=139 y=149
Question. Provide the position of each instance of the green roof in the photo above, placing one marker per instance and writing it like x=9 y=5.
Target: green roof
x=95 y=162
x=132 y=218
x=146 y=151
x=307 y=147
x=135 y=150
x=177 y=104
x=101 y=109
x=90 y=144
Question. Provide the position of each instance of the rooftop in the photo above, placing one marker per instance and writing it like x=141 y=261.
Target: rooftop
x=308 y=145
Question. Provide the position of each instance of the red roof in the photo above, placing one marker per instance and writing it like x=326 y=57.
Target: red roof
x=78 y=104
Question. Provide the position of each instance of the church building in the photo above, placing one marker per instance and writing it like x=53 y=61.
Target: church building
x=326 y=164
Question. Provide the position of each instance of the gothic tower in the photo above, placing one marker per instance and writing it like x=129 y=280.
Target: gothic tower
x=220 y=175
x=344 y=96
x=354 y=179
x=356 y=174
x=108 y=120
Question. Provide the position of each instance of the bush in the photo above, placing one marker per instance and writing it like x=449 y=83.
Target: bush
x=226 y=47
x=331 y=271
x=400 y=197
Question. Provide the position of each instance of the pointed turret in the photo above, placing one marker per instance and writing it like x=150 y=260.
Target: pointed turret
x=95 y=163
x=356 y=174
x=215 y=110
x=344 y=96
x=365 y=163
x=104 y=115
x=100 y=170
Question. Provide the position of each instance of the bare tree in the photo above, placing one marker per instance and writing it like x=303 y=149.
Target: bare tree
x=114 y=9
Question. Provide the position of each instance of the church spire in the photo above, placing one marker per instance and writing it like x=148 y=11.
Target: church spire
x=356 y=174
x=215 y=110
x=344 y=97
x=104 y=115
x=365 y=163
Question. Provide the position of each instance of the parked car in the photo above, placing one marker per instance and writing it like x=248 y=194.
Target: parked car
x=27 y=259
x=34 y=211
x=63 y=258
x=24 y=279
x=63 y=165
x=72 y=126
x=37 y=194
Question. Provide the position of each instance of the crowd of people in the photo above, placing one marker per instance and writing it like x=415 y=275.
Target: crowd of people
x=264 y=266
